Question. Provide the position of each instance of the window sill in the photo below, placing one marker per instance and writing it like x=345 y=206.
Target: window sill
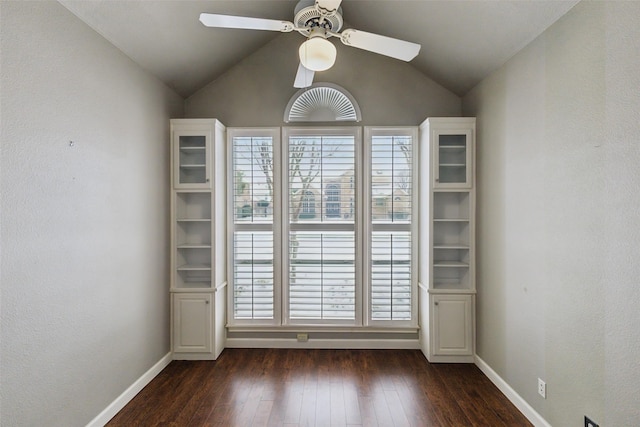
x=323 y=329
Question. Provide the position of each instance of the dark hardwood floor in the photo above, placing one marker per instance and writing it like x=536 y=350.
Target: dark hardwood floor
x=267 y=387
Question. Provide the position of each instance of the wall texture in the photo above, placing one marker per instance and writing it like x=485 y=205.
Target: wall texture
x=84 y=226
x=256 y=91
x=558 y=211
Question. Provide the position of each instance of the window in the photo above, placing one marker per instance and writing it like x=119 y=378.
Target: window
x=333 y=201
x=253 y=268
x=392 y=255
x=308 y=205
x=321 y=232
x=321 y=279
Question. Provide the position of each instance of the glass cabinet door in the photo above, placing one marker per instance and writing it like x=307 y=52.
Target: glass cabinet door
x=191 y=160
x=452 y=155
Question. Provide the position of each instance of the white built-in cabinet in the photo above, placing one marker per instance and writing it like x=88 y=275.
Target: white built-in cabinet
x=198 y=250
x=446 y=272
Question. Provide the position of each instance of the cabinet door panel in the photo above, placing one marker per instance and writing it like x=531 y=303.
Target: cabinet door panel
x=192 y=159
x=192 y=323
x=452 y=154
x=453 y=325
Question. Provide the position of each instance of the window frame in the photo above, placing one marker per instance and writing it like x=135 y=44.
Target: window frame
x=369 y=133
x=362 y=226
x=275 y=134
x=287 y=133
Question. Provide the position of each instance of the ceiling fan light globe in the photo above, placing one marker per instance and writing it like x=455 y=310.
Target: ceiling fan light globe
x=317 y=54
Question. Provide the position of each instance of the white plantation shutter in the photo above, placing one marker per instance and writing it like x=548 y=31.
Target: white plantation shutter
x=391 y=275
x=252 y=204
x=322 y=233
x=322 y=275
x=253 y=275
x=391 y=195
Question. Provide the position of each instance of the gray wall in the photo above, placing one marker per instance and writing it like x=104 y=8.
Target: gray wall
x=558 y=217
x=84 y=228
x=256 y=91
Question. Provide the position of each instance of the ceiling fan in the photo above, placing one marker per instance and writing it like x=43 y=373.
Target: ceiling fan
x=318 y=20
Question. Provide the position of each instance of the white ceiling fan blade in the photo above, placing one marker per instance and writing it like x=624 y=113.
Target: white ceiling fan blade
x=328 y=5
x=304 y=77
x=244 y=22
x=383 y=45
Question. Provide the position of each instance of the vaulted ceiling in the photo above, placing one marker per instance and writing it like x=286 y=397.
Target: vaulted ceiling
x=462 y=41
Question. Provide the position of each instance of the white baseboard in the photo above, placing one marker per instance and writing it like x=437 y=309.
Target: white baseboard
x=323 y=343
x=110 y=411
x=522 y=405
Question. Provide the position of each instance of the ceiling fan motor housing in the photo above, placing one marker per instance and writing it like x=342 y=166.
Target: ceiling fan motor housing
x=309 y=16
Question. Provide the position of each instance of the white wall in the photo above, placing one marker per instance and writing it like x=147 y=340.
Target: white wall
x=84 y=228
x=558 y=217
x=256 y=91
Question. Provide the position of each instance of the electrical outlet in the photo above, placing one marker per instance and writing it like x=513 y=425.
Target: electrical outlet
x=542 y=388
x=589 y=423
x=302 y=337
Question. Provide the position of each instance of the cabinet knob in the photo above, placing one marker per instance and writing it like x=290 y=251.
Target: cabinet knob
x=206 y=302
x=437 y=179
x=207 y=179
x=435 y=303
